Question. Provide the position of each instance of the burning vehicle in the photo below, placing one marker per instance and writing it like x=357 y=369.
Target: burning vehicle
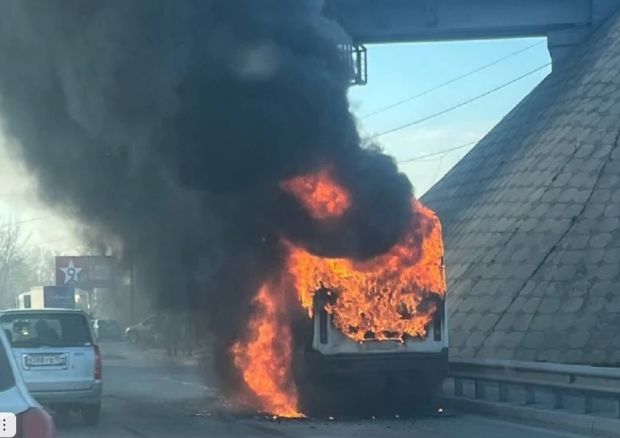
x=224 y=167
x=373 y=328
x=386 y=327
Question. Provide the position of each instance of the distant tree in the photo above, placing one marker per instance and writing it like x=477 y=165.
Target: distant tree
x=41 y=266
x=22 y=266
x=10 y=261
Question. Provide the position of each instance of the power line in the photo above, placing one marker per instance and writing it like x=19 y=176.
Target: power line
x=434 y=154
x=451 y=81
x=37 y=245
x=25 y=221
x=459 y=105
x=439 y=167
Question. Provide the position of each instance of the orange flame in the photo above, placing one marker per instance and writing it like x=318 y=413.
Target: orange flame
x=319 y=194
x=391 y=296
x=265 y=360
x=385 y=297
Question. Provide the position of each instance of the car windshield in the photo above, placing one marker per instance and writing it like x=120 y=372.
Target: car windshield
x=7 y=380
x=46 y=330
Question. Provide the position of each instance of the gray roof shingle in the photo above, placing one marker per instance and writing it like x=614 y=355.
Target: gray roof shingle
x=531 y=221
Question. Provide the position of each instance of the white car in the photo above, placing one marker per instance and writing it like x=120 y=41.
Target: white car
x=58 y=358
x=32 y=420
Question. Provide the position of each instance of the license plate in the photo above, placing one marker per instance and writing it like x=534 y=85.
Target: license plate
x=45 y=360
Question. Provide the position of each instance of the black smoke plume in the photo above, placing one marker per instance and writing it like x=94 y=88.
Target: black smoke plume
x=167 y=125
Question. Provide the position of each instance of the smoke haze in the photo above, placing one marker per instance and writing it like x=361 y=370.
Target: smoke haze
x=167 y=126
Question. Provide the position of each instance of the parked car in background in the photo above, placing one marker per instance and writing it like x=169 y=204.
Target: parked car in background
x=148 y=331
x=107 y=329
x=32 y=420
x=58 y=358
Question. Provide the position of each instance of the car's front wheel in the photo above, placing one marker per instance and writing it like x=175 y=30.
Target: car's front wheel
x=91 y=414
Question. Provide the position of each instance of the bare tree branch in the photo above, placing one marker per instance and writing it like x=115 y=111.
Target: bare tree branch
x=10 y=257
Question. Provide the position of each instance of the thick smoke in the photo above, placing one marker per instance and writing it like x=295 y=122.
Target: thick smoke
x=167 y=125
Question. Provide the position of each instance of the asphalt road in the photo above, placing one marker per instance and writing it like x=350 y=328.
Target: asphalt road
x=146 y=395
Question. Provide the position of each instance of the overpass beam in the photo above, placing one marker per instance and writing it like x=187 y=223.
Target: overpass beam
x=567 y=23
x=378 y=21
x=561 y=42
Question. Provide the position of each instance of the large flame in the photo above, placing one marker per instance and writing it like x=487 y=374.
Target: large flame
x=389 y=297
x=317 y=192
x=265 y=359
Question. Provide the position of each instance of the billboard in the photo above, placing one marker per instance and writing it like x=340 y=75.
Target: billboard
x=85 y=272
x=59 y=297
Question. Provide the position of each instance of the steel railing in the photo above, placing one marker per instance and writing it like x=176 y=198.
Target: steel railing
x=535 y=379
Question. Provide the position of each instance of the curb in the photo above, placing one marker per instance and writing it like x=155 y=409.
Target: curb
x=558 y=420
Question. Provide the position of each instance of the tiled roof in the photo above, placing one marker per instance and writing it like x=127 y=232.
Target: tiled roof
x=532 y=221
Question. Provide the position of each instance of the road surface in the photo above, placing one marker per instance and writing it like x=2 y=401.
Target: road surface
x=147 y=395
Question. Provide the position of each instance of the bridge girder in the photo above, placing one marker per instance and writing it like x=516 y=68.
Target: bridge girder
x=565 y=22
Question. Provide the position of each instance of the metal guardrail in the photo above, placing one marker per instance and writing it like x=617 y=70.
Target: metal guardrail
x=532 y=378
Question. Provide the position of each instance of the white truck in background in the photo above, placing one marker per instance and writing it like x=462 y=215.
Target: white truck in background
x=47 y=297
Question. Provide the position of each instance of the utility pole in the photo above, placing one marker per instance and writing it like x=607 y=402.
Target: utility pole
x=132 y=278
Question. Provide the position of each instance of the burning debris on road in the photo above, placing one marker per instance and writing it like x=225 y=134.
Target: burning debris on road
x=213 y=139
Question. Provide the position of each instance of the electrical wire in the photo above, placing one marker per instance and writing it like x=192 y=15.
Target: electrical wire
x=434 y=154
x=459 y=105
x=25 y=221
x=451 y=81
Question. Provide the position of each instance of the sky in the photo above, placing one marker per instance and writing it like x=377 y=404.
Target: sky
x=399 y=71
x=395 y=72
x=40 y=225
